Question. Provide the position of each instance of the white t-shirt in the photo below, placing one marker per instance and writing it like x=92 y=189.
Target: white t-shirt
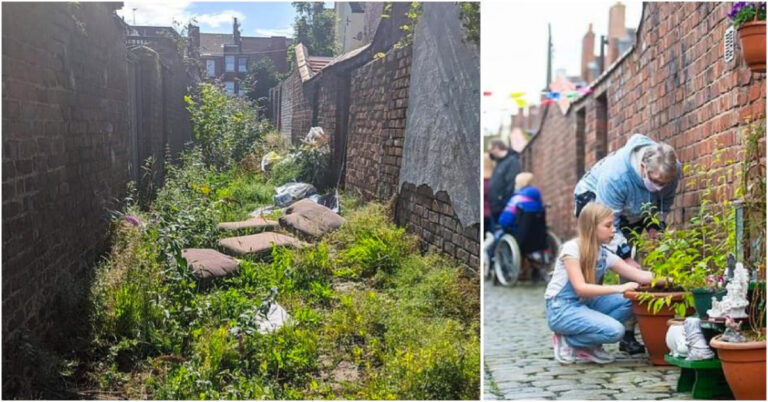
x=560 y=275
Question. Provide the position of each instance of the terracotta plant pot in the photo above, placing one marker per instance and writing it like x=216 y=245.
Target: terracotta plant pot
x=653 y=327
x=752 y=35
x=744 y=367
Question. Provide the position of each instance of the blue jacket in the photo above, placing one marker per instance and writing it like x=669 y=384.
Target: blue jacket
x=618 y=185
x=527 y=199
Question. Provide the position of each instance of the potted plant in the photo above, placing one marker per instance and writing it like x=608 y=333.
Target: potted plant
x=743 y=357
x=749 y=19
x=667 y=256
x=689 y=261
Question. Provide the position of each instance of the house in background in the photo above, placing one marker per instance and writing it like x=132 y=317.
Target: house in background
x=350 y=25
x=226 y=57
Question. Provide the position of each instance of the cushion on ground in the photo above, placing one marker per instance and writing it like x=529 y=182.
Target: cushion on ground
x=258 y=243
x=206 y=263
x=311 y=218
x=251 y=223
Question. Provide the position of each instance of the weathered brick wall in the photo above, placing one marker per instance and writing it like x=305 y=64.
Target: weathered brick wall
x=79 y=111
x=379 y=99
x=432 y=218
x=301 y=109
x=65 y=154
x=674 y=87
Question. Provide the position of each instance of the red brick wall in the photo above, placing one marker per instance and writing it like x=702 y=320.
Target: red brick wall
x=674 y=87
x=432 y=218
x=379 y=99
x=555 y=142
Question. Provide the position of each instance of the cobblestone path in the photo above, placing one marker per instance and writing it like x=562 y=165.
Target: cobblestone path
x=519 y=363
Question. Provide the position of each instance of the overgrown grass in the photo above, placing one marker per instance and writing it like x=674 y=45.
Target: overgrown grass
x=405 y=325
x=371 y=318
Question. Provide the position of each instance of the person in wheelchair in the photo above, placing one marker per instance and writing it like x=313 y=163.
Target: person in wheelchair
x=524 y=217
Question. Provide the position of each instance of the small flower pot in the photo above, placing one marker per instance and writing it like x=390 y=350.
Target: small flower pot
x=702 y=300
x=653 y=327
x=752 y=35
x=744 y=367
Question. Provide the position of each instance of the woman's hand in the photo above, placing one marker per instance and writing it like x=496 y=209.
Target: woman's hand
x=629 y=286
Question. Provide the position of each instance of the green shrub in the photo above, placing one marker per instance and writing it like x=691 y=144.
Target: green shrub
x=226 y=128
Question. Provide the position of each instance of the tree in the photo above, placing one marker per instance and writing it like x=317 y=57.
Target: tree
x=262 y=75
x=314 y=26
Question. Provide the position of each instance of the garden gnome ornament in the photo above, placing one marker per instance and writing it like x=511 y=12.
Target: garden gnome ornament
x=698 y=349
x=735 y=301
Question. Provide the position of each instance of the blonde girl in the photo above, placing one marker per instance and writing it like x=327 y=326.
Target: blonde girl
x=583 y=314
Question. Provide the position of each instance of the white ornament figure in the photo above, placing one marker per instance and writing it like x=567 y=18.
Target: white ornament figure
x=676 y=340
x=735 y=300
x=694 y=339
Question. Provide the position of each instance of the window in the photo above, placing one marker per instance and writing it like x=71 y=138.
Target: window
x=242 y=64
x=211 y=67
x=230 y=63
x=241 y=90
x=229 y=87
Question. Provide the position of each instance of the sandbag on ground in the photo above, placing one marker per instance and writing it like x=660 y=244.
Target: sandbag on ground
x=311 y=219
x=258 y=243
x=209 y=263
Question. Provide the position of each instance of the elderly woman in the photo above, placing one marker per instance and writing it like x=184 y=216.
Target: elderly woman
x=526 y=198
x=642 y=173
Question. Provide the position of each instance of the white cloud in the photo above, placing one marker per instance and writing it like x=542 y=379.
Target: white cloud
x=166 y=13
x=215 y=20
x=287 y=32
x=155 y=13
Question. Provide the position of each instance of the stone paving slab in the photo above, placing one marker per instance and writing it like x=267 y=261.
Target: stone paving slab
x=208 y=263
x=520 y=365
x=251 y=223
x=259 y=243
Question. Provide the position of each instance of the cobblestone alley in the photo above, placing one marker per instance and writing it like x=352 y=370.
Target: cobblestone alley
x=519 y=363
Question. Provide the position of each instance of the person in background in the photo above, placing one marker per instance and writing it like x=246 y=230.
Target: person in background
x=487 y=171
x=502 y=183
x=526 y=198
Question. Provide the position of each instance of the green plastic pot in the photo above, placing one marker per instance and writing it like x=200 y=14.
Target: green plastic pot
x=702 y=300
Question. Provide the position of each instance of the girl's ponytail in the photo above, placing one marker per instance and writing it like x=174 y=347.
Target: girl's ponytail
x=590 y=217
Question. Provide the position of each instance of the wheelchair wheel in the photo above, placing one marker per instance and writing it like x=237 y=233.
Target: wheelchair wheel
x=553 y=249
x=507 y=260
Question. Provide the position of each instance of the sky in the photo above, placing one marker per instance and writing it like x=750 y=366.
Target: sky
x=255 y=18
x=514 y=46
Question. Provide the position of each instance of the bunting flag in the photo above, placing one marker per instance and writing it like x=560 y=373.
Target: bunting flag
x=487 y=93
x=516 y=95
x=547 y=101
x=553 y=95
x=521 y=102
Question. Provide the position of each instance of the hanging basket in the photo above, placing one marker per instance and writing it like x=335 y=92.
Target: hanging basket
x=752 y=35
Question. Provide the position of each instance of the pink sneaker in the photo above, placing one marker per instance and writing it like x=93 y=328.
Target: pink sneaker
x=563 y=352
x=595 y=355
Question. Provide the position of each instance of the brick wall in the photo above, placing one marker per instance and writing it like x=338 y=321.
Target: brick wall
x=72 y=95
x=65 y=154
x=674 y=87
x=301 y=109
x=379 y=99
x=556 y=183
x=432 y=218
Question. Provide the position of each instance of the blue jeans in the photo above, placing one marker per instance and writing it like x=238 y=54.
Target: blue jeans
x=591 y=323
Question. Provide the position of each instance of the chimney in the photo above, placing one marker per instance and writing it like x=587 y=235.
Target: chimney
x=617 y=30
x=587 y=54
x=533 y=118
x=193 y=33
x=236 y=31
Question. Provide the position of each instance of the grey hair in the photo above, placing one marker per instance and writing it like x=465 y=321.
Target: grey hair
x=661 y=159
